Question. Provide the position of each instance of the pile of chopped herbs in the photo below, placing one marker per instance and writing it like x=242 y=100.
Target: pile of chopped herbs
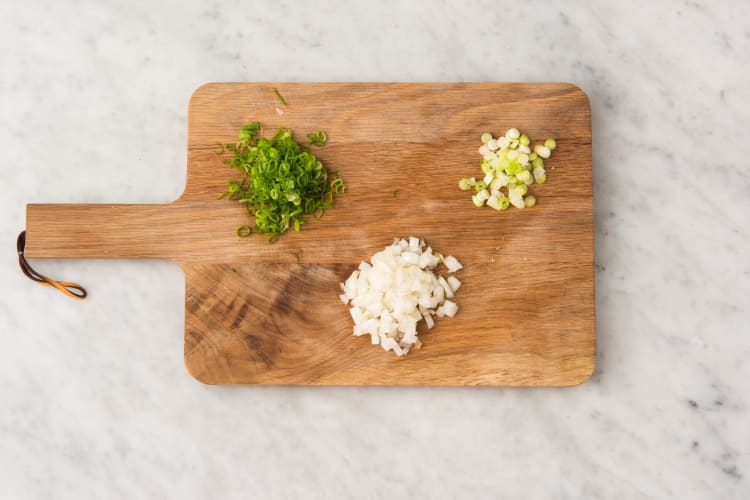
x=281 y=183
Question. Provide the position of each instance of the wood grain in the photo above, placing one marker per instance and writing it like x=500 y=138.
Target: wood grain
x=527 y=304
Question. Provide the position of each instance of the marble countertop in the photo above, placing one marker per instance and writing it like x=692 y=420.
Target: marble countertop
x=95 y=400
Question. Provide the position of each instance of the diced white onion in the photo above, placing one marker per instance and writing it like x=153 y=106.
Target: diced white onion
x=454 y=282
x=396 y=290
x=450 y=308
x=452 y=264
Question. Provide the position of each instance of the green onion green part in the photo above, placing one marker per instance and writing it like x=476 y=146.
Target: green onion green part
x=281 y=97
x=281 y=184
x=244 y=231
x=318 y=138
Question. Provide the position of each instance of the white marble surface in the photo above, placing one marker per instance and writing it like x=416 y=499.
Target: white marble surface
x=94 y=398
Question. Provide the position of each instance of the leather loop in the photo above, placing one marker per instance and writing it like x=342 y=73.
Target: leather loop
x=73 y=290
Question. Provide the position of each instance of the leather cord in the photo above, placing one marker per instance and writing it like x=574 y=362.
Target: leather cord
x=73 y=290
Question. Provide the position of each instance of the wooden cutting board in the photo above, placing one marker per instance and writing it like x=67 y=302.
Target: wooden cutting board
x=254 y=315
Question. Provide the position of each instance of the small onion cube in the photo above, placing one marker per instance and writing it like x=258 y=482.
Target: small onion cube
x=454 y=282
x=450 y=308
x=446 y=287
x=452 y=264
x=429 y=321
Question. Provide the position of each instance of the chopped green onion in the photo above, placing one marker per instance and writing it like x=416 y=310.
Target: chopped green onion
x=521 y=189
x=512 y=133
x=486 y=137
x=524 y=140
x=480 y=185
x=318 y=138
x=280 y=184
x=281 y=97
x=550 y=144
x=530 y=200
x=338 y=186
x=537 y=162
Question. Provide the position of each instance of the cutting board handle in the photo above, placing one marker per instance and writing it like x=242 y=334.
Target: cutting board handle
x=101 y=231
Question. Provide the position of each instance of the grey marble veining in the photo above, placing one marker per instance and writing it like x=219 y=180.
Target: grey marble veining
x=94 y=398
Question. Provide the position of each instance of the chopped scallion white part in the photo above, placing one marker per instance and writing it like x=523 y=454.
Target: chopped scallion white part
x=512 y=133
x=501 y=180
x=542 y=151
x=516 y=199
x=530 y=200
x=465 y=184
x=540 y=175
x=494 y=201
x=509 y=163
